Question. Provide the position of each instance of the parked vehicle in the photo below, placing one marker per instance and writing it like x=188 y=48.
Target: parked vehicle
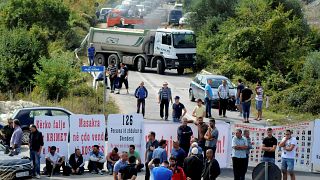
x=174 y=17
x=197 y=87
x=103 y=14
x=123 y=18
x=161 y=49
x=178 y=6
x=26 y=117
x=14 y=167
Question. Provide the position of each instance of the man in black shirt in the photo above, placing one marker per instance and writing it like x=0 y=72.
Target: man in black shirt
x=130 y=171
x=35 y=145
x=193 y=165
x=211 y=168
x=245 y=100
x=269 y=146
x=177 y=110
x=184 y=135
x=76 y=162
x=151 y=145
x=123 y=77
x=6 y=133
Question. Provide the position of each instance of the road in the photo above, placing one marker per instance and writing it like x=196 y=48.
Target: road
x=179 y=86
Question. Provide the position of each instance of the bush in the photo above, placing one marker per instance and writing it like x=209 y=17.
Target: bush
x=55 y=74
x=82 y=90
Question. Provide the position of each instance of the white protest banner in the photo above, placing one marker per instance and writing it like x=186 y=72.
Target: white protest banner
x=169 y=133
x=316 y=146
x=55 y=131
x=87 y=131
x=124 y=130
x=302 y=131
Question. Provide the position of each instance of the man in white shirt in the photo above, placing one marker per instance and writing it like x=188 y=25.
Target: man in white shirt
x=289 y=146
x=54 y=161
x=223 y=93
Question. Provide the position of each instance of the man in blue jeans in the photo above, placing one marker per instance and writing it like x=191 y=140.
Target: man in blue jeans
x=245 y=100
x=208 y=98
x=35 y=145
x=289 y=146
x=141 y=94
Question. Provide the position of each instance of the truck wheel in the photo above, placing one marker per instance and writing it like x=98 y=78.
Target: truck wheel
x=160 y=67
x=141 y=64
x=180 y=71
x=99 y=60
x=114 y=58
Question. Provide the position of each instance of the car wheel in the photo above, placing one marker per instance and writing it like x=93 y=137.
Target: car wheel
x=25 y=136
x=191 y=96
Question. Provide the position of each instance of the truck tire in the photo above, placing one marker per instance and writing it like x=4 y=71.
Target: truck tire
x=160 y=67
x=141 y=64
x=114 y=58
x=100 y=60
x=180 y=71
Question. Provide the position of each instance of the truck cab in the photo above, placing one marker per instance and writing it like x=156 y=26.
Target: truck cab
x=176 y=47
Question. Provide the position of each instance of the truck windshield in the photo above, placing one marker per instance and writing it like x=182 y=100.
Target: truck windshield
x=184 y=41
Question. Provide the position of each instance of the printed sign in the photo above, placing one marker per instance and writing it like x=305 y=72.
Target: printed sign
x=55 y=131
x=302 y=131
x=85 y=132
x=169 y=133
x=124 y=130
x=316 y=146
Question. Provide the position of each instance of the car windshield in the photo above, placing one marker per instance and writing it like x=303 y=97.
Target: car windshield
x=184 y=41
x=217 y=82
x=104 y=11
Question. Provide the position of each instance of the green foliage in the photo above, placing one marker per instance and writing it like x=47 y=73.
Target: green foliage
x=83 y=90
x=311 y=69
x=19 y=52
x=54 y=75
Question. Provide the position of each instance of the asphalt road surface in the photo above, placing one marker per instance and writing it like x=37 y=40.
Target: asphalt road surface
x=179 y=85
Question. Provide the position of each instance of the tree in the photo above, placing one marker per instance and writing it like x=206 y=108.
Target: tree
x=54 y=75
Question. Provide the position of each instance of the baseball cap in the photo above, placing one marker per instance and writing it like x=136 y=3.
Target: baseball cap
x=194 y=150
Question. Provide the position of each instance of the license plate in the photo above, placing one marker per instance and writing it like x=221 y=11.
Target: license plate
x=22 y=174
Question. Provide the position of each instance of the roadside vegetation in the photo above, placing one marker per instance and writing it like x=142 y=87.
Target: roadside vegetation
x=267 y=40
x=36 y=54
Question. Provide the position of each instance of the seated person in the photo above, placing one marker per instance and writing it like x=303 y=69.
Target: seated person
x=134 y=153
x=112 y=158
x=121 y=163
x=96 y=160
x=129 y=171
x=76 y=162
x=54 y=161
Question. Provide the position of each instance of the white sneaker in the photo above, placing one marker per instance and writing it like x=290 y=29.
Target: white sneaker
x=37 y=176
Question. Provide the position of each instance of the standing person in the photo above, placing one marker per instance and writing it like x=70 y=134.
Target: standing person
x=129 y=172
x=199 y=110
x=120 y=164
x=96 y=161
x=113 y=74
x=177 y=109
x=112 y=158
x=141 y=94
x=178 y=153
x=269 y=146
x=208 y=98
x=164 y=98
x=35 y=146
x=239 y=147
x=259 y=100
x=178 y=173
x=162 y=172
x=76 y=162
x=161 y=152
x=245 y=100
x=202 y=129
x=133 y=152
x=195 y=145
x=184 y=135
x=240 y=87
x=124 y=72
x=223 y=93
x=91 y=53
x=193 y=165
x=54 y=161
x=151 y=145
x=211 y=137
x=16 y=138
x=289 y=146
x=6 y=134
x=247 y=137
x=212 y=168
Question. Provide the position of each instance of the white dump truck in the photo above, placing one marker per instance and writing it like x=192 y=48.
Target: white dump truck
x=161 y=49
